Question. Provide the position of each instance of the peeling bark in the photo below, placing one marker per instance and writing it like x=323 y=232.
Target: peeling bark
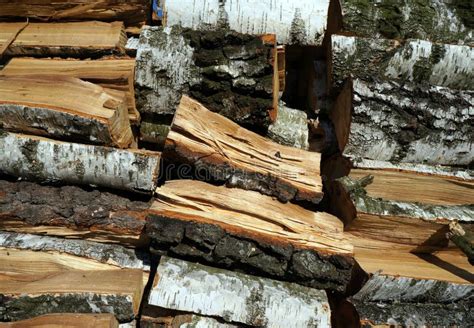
x=302 y=22
x=416 y=61
x=230 y=73
x=48 y=160
x=237 y=297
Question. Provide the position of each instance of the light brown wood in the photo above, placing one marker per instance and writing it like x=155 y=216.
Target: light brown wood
x=110 y=73
x=45 y=105
x=61 y=320
x=251 y=213
x=78 y=38
x=199 y=136
x=12 y=38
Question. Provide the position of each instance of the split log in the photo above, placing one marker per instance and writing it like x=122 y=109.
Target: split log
x=227 y=152
x=76 y=110
x=37 y=283
x=132 y=12
x=462 y=239
x=407 y=123
x=413 y=213
x=290 y=127
x=44 y=159
x=65 y=39
x=415 y=61
x=233 y=74
x=411 y=290
x=216 y=225
x=117 y=74
x=302 y=23
x=237 y=297
x=71 y=211
x=437 y=21
x=71 y=320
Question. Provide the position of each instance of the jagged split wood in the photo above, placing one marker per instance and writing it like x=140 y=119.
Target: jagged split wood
x=389 y=123
x=416 y=61
x=132 y=12
x=302 y=23
x=110 y=73
x=233 y=74
x=192 y=219
x=223 y=150
x=44 y=159
x=71 y=211
x=76 y=110
x=64 y=39
x=406 y=289
x=237 y=297
x=401 y=209
x=439 y=21
x=462 y=239
x=36 y=283
x=70 y=320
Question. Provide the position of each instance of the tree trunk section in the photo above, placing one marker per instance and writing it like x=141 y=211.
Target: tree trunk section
x=231 y=73
x=49 y=160
x=237 y=297
x=222 y=150
x=302 y=23
x=78 y=320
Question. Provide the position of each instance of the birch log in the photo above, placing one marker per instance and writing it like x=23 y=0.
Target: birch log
x=71 y=211
x=224 y=151
x=233 y=74
x=406 y=123
x=301 y=22
x=435 y=20
x=49 y=160
x=76 y=320
x=415 y=61
x=76 y=110
x=192 y=219
x=156 y=317
x=237 y=297
x=37 y=283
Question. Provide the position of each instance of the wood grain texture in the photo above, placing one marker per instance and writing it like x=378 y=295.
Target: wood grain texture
x=217 y=225
x=71 y=320
x=65 y=39
x=49 y=160
x=110 y=73
x=243 y=159
x=76 y=110
x=237 y=297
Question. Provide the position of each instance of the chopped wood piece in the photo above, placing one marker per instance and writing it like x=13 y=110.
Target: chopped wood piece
x=237 y=297
x=36 y=283
x=438 y=21
x=154 y=133
x=416 y=61
x=70 y=320
x=233 y=74
x=228 y=152
x=65 y=39
x=71 y=211
x=290 y=127
x=302 y=23
x=415 y=290
x=44 y=159
x=132 y=12
x=390 y=124
x=464 y=240
x=76 y=110
x=117 y=74
x=217 y=225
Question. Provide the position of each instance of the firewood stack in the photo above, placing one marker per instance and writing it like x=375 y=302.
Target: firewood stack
x=156 y=170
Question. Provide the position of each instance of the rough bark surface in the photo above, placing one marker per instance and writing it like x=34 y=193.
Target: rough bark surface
x=84 y=211
x=302 y=22
x=415 y=302
x=434 y=20
x=78 y=320
x=237 y=297
x=47 y=160
x=411 y=124
x=415 y=61
x=290 y=128
x=230 y=73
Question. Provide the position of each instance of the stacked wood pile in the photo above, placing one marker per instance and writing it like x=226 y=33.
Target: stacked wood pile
x=163 y=180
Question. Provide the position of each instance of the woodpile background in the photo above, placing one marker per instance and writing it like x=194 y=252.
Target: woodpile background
x=242 y=163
